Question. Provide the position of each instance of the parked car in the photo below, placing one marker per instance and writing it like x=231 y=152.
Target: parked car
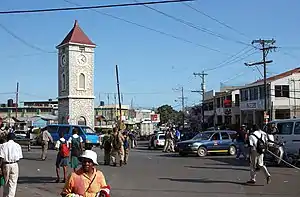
x=90 y=138
x=157 y=141
x=219 y=141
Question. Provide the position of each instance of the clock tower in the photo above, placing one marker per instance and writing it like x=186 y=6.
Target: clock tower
x=76 y=79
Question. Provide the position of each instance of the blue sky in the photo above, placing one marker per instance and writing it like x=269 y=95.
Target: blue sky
x=151 y=65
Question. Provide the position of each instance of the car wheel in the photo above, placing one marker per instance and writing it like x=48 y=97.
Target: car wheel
x=202 y=151
x=232 y=150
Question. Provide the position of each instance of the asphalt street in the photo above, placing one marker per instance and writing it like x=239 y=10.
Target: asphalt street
x=153 y=173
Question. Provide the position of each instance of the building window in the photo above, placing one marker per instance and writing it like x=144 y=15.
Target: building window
x=81 y=81
x=244 y=95
x=261 y=92
x=237 y=100
x=253 y=93
x=282 y=91
x=63 y=82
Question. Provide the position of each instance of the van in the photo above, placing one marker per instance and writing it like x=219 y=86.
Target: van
x=89 y=136
x=289 y=134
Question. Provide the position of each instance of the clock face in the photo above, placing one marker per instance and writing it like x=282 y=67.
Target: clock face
x=63 y=59
x=81 y=59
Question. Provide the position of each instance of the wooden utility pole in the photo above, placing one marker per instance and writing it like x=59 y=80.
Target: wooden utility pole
x=182 y=99
x=17 y=99
x=266 y=47
x=119 y=96
x=202 y=75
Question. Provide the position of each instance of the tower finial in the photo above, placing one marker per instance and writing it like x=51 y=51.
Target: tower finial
x=76 y=23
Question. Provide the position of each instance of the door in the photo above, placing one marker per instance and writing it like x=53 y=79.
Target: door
x=285 y=131
x=225 y=141
x=214 y=143
x=296 y=138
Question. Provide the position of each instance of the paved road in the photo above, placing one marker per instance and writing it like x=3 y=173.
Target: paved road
x=152 y=173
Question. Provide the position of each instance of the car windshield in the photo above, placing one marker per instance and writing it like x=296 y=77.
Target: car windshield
x=202 y=136
x=88 y=130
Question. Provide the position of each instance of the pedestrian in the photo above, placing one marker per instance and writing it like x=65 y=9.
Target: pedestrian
x=46 y=137
x=258 y=144
x=86 y=181
x=240 y=138
x=107 y=145
x=169 y=144
x=75 y=143
x=11 y=153
x=62 y=158
x=117 y=147
x=2 y=180
x=126 y=146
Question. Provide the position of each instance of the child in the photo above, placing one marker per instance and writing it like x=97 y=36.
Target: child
x=62 y=158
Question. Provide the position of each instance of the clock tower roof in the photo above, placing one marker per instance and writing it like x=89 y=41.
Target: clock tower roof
x=76 y=36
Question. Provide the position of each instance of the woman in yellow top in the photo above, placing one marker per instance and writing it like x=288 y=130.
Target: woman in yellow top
x=86 y=181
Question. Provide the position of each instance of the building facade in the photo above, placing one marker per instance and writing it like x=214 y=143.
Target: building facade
x=76 y=79
x=283 y=93
x=222 y=108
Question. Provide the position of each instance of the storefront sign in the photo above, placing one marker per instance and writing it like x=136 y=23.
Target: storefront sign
x=251 y=105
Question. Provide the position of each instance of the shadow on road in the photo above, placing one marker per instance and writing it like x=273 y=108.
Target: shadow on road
x=230 y=161
x=32 y=159
x=217 y=168
x=32 y=180
x=209 y=181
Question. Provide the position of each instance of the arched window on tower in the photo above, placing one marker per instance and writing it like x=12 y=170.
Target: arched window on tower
x=63 y=82
x=82 y=81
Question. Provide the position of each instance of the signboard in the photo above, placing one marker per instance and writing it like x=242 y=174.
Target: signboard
x=155 y=118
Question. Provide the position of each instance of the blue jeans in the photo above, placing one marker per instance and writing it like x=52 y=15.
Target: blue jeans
x=241 y=150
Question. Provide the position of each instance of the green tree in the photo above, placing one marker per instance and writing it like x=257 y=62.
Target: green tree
x=167 y=114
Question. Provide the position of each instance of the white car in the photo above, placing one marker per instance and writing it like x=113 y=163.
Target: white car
x=20 y=134
x=157 y=141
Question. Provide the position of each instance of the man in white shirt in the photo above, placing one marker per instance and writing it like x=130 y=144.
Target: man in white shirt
x=10 y=153
x=46 y=137
x=257 y=158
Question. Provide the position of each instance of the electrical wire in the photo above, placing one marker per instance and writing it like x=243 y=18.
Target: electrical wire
x=23 y=41
x=236 y=58
x=197 y=27
x=216 y=20
x=152 y=29
x=90 y=7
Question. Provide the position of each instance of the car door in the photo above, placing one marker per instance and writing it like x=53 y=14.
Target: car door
x=285 y=134
x=225 y=141
x=214 y=143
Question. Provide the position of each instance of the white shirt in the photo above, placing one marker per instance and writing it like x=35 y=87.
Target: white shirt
x=271 y=138
x=253 y=140
x=75 y=136
x=11 y=151
x=57 y=145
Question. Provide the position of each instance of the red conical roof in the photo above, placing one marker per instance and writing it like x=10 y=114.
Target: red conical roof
x=76 y=35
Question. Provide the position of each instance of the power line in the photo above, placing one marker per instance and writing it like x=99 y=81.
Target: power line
x=22 y=40
x=152 y=29
x=197 y=27
x=90 y=7
x=236 y=58
x=216 y=20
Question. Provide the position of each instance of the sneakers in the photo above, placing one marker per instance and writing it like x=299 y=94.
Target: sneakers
x=251 y=182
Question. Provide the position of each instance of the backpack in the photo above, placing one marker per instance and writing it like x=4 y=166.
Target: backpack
x=107 y=143
x=75 y=145
x=116 y=142
x=126 y=143
x=64 y=150
x=261 y=146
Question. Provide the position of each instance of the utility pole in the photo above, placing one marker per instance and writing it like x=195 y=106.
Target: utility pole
x=17 y=99
x=266 y=47
x=119 y=96
x=182 y=99
x=202 y=75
